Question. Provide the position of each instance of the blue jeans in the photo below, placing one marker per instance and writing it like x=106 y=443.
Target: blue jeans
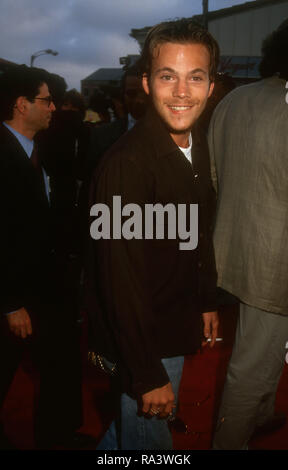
x=133 y=432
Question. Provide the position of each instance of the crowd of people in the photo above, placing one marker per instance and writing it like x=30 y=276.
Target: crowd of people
x=158 y=140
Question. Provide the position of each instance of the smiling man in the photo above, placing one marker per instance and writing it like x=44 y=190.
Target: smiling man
x=146 y=297
x=179 y=85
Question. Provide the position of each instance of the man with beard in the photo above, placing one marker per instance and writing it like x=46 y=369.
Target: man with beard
x=145 y=296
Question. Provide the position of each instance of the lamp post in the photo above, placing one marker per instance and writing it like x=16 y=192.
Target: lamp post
x=205 y=4
x=45 y=51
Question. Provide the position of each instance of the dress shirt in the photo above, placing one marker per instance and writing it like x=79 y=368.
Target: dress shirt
x=131 y=121
x=28 y=146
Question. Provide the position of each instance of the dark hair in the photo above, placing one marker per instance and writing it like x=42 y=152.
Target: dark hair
x=19 y=81
x=57 y=87
x=275 y=53
x=180 y=31
x=99 y=102
x=130 y=71
x=75 y=98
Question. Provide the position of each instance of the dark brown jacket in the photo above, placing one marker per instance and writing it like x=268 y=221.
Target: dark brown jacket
x=144 y=297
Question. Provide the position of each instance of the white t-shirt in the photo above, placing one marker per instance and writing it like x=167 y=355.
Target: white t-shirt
x=188 y=151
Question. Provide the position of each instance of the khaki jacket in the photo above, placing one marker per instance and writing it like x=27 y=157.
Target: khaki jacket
x=248 y=140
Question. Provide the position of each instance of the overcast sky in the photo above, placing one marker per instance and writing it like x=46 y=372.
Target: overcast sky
x=88 y=34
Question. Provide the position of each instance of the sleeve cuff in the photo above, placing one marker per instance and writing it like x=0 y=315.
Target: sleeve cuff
x=150 y=379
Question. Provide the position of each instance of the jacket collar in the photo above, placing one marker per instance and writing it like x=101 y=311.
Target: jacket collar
x=159 y=136
x=10 y=139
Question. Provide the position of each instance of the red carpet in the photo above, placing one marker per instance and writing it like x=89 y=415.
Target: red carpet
x=200 y=391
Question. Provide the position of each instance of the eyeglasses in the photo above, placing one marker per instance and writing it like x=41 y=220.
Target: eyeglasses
x=48 y=99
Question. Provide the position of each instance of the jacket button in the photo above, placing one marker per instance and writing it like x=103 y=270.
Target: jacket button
x=200 y=264
x=196 y=175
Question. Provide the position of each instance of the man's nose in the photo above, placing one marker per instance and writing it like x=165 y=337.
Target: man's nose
x=52 y=106
x=181 y=89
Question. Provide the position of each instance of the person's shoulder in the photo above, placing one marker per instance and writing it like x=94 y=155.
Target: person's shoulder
x=238 y=99
x=237 y=94
x=8 y=141
x=129 y=154
x=251 y=89
x=108 y=128
x=11 y=152
x=132 y=145
x=254 y=94
x=4 y=133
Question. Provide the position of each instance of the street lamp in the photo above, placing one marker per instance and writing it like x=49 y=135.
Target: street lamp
x=45 y=51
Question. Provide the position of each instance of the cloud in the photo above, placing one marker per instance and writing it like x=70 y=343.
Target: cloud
x=88 y=34
x=115 y=15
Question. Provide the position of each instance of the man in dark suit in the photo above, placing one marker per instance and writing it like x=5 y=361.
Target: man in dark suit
x=34 y=311
x=146 y=293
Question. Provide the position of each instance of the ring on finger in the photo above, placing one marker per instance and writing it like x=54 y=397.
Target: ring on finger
x=154 y=412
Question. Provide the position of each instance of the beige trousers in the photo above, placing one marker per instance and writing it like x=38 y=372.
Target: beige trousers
x=253 y=374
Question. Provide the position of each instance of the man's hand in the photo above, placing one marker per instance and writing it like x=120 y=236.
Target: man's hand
x=159 y=402
x=211 y=323
x=20 y=323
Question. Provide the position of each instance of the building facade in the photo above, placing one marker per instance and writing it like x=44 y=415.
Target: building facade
x=239 y=31
x=104 y=78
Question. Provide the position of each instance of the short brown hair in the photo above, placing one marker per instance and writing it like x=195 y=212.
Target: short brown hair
x=179 y=31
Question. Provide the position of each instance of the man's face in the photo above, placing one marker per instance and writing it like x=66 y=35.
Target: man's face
x=179 y=86
x=39 y=112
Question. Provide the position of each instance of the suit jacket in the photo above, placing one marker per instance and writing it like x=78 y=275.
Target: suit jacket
x=248 y=140
x=25 y=228
x=145 y=296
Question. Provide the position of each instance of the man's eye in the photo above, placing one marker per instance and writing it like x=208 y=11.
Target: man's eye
x=166 y=77
x=196 y=79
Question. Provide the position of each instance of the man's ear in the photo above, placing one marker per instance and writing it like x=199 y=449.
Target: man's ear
x=211 y=88
x=145 y=83
x=21 y=103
